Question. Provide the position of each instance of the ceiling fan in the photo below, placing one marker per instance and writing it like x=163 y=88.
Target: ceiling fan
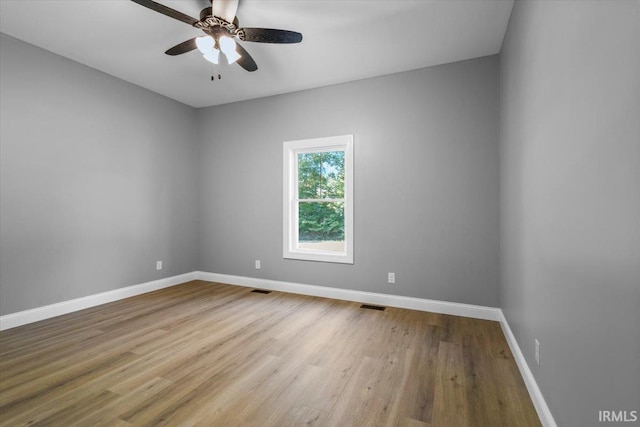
x=221 y=28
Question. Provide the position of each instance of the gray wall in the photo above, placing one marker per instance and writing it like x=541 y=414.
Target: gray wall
x=97 y=181
x=426 y=182
x=570 y=175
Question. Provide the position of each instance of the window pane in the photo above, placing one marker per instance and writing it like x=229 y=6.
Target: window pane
x=321 y=226
x=318 y=199
x=321 y=175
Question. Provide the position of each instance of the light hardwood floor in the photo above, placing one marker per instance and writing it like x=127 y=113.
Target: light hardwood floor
x=211 y=354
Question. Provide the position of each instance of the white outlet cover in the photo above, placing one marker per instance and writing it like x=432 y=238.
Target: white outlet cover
x=158 y=265
x=258 y=264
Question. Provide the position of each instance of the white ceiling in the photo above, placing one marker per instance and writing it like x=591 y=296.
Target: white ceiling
x=344 y=40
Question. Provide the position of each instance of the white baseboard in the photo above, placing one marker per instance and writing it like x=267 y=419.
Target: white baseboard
x=443 y=307
x=20 y=318
x=532 y=386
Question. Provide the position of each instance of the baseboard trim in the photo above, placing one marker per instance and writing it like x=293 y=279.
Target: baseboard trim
x=442 y=307
x=544 y=413
x=20 y=318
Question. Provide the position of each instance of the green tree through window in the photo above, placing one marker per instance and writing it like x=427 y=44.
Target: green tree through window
x=318 y=199
x=321 y=196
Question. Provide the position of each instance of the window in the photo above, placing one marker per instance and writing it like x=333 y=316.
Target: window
x=318 y=199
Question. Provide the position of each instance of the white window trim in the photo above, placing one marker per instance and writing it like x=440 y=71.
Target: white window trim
x=290 y=211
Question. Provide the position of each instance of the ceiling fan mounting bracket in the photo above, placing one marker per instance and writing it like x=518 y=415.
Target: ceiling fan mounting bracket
x=211 y=21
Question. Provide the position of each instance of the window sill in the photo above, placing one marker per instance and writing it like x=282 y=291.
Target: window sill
x=318 y=257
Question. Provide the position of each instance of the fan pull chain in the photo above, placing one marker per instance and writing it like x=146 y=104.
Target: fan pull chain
x=213 y=73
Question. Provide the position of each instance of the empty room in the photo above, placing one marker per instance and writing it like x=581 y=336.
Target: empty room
x=321 y=212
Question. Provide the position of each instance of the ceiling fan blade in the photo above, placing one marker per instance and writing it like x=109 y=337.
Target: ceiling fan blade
x=172 y=13
x=184 y=47
x=245 y=61
x=225 y=9
x=269 y=35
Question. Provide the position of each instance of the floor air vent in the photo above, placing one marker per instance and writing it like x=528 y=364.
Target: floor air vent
x=261 y=291
x=372 y=307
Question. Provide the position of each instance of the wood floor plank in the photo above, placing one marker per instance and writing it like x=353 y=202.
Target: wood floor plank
x=78 y=409
x=44 y=396
x=205 y=353
x=450 y=406
x=305 y=416
x=419 y=391
x=128 y=402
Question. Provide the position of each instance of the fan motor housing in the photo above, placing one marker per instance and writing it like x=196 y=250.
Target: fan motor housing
x=210 y=22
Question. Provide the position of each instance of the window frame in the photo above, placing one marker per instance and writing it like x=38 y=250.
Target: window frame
x=291 y=149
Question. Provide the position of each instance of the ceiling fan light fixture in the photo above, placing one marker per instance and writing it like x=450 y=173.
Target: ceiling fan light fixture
x=212 y=56
x=228 y=47
x=205 y=44
x=232 y=57
x=227 y=44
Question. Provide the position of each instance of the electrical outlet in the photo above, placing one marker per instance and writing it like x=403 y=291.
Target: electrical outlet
x=258 y=264
x=158 y=265
x=391 y=277
x=537 y=352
